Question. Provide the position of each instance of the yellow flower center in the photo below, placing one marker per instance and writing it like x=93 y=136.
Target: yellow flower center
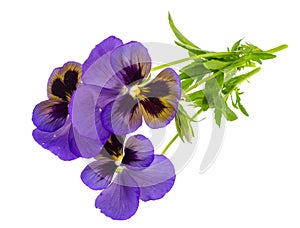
x=118 y=160
x=134 y=91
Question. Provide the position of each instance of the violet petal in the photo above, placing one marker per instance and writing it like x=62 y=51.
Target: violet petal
x=161 y=97
x=89 y=134
x=122 y=116
x=101 y=49
x=156 y=180
x=50 y=115
x=139 y=152
x=57 y=142
x=120 y=200
x=98 y=174
x=131 y=62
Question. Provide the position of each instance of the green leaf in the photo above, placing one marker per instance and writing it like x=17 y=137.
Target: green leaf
x=194 y=50
x=195 y=70
x=216 y=64
x=194 y=96
x=229 y=114
x=256 y=59
x=240 y=106
x=236 y=45
x=264 y=55
x=212 y=90
x=178 y=34
x=178 y=127
x=183 y=124
x=198 y=99
x=231 y=84
x=233 y=103
x=186 y=83
x=201 y=103
x=218 y=116
x=243 y=110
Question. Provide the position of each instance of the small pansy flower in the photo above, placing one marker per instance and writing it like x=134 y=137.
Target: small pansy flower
x=128 y=172
x=51 y=117
x=117 y=97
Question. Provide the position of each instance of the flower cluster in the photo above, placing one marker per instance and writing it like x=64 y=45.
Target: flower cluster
x=90 y=112
x=94 y=109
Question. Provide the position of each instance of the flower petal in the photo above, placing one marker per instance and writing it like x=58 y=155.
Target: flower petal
x=113 y=148
x=50 y=115
x=89 y=134
x=98 y=174
x=106 y=96
x=160 y=97
x=72 y=143
x=156 y=180
x=101 y=49
x=119 y=201
x=97 y=69
x=139 y=152
x=63 y=81
x=57 y=142
x=131 y=62
x=122 y=116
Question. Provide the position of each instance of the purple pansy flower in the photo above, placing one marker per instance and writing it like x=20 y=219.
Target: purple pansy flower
x=117 y=97
x=51 y=117
x=128 y=174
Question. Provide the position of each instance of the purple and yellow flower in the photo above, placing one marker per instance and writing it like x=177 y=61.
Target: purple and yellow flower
x=116 y=95
x=51 y=117
x=126 y=174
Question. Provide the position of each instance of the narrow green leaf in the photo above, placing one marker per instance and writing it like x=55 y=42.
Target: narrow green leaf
x=216 y=64
x=233 y=103
x=195 y=96
x=240 y=106
x=236 y=45
x=264 y=55
x=231 y=84
x=201 y=103
x=195 y=70
x=178 y=34
x=194 y=50
x=243 y=110
x=212 y=91
x=256 y=58
x=186 y=83
x=178 y=128
x=218 y=116
x=229 y=114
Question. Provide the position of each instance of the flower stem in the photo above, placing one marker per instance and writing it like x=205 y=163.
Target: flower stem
x=169 y=144
x=176 y=136
x=277 y=49
x=207 y=55
x=202 y=81
x=210 y=55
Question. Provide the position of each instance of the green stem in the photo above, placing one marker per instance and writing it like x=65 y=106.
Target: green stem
x=277 y=49
x=176 y=136
x=202 y=81
x=218 y=54
x=207 y=55
x=245 y=78
x=169 y=144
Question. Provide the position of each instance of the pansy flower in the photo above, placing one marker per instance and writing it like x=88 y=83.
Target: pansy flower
x=128 y=172
x=117 y=97
x=51 y=118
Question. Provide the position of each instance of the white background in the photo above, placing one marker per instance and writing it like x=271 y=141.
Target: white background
x=253 y=183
